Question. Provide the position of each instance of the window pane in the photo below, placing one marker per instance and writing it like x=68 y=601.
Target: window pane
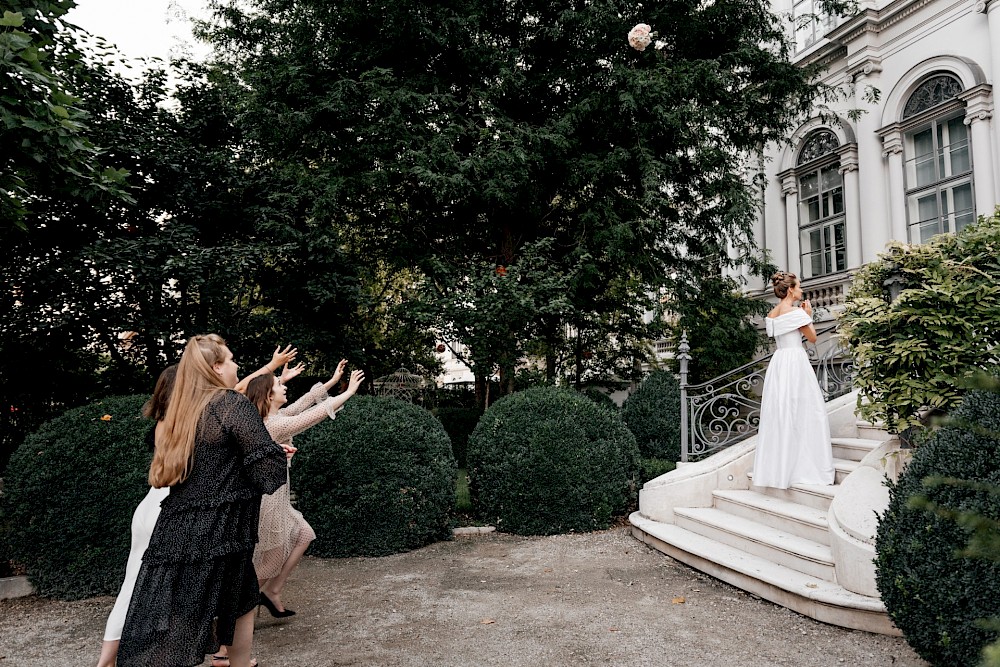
x=928 y=229
x=838 y=201
x=830 y=177
x=962 y=205
x=922 y=170
x=810 y=210
x=809 y=185
x=958 y=147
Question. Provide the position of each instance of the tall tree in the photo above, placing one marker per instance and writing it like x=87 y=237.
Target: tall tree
x=463 y=138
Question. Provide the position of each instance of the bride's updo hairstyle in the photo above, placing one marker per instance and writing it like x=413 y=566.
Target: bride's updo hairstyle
x=783 y=282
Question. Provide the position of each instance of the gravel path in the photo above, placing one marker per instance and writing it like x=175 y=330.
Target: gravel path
x=594 y=599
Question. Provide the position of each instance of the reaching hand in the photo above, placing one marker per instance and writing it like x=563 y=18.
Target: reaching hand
x=339 y=372
x=357 y=377
x=290 y=372
x=289 y=451
x=282 y=357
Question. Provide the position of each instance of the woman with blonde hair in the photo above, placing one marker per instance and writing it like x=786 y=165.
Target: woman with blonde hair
x=196 y=588
x=793 y=440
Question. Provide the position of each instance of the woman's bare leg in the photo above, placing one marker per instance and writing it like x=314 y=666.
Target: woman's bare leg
x=109 y=653
x=239 y=652
x=273 y=586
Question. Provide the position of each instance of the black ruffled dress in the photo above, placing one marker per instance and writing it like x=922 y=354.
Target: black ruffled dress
x=197 y=575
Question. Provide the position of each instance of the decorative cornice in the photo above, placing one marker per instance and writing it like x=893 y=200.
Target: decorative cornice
x=848 y=158
x=866 y=67
x=978 y=103
x=892 y=140
x=877 y=20
x=789 y=183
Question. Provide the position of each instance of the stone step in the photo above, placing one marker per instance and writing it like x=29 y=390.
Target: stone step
x=842 y=468
x=872 y=431
x=801 y=520
x=777 y=546
x=853 y=449
x=811 y=495
x=816 y=598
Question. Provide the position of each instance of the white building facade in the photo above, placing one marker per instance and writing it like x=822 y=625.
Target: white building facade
x=921 y=160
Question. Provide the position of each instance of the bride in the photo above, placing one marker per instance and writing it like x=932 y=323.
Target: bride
x=793 y=441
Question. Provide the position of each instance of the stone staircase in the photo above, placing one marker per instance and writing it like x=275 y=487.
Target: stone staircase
x=808 y=548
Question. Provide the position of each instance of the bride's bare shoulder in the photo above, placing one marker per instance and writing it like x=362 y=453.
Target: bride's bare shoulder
x=778 y=311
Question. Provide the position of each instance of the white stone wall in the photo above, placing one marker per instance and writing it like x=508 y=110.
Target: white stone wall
x=894 y=47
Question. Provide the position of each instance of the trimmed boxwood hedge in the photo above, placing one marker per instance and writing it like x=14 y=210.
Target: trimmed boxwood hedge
x=653 y=414
x=377 y=480
x=933 y=596
x=547 y=461
x=69 y=493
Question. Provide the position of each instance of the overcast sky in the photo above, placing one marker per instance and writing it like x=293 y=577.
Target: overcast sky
x=142 y=28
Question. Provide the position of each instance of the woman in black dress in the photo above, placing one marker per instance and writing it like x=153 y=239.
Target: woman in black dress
x=197 y=587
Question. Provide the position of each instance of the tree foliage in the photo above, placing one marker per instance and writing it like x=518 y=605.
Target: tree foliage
x=482 y=140
x=45 y=143
x=918 y=352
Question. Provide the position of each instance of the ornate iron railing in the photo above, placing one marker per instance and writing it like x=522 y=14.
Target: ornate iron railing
x=726 y=409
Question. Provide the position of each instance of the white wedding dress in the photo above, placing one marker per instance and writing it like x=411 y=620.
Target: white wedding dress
x=793 y=441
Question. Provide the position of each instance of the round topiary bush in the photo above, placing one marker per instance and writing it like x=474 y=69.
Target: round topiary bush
x=653 y=414
x=377 y=480
x=935 y=597
x=546 y=461
x=69 y=493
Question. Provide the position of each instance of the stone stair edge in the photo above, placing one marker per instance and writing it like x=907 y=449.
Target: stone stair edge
x=753 y=531
x=776 y=506
x=779 y=576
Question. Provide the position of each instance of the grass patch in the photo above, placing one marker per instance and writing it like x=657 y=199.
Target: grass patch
x=463 y=503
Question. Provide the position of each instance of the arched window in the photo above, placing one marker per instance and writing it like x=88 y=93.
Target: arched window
x=821 y=206
x=939 y=196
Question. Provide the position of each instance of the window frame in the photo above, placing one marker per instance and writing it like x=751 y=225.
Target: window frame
x=943 y=185
x=825 y=225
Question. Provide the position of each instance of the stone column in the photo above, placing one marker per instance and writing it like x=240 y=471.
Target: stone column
x=892 y=150
x=992 y=9
x=790 y=189
x=852 y=204
x=978 y=115
x=874 y=221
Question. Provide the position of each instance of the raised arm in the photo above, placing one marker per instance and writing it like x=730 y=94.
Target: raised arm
x=278 y=359
x=282 y=425
x=808 y=330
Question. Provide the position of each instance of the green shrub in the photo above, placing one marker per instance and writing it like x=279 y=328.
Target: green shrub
x=377 y=480
x=69 y=494
x=653 y=415
x=546 y=461
x=458 y=423
x=918 y=351
x=936 y=598
x=601 y=398
x=652 y=468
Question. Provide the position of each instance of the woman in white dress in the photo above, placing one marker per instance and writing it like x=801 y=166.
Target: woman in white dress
x=793 y=441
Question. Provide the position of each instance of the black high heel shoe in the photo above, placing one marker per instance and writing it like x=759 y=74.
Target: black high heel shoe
x=267 y=604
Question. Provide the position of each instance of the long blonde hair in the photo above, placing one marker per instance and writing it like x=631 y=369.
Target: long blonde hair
x=196 y=385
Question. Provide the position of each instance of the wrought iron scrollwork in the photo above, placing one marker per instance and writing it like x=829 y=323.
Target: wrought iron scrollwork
x=726 y=410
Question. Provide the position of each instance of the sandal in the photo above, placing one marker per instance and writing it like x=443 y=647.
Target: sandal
x=223 y=661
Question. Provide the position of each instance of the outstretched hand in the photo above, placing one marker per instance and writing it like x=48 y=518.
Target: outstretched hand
x=282 y=357
x=339 y=373
x=291 y=372
x=357 y=377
